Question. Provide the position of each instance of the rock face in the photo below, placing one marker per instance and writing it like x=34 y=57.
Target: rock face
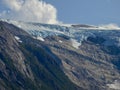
x=10 y=47
x=83 y=26
x=53 y=57
x=93 y=66
x=26 y=65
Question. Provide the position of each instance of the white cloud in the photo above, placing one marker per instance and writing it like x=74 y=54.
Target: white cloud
x=13 y=4
x=29 y=10
x=109 y=26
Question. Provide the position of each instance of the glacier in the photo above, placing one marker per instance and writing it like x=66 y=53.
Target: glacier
x=77 y=34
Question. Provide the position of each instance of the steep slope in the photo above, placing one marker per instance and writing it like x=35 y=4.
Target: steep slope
x=88 y=56
x=92 y=66
x=26 y=65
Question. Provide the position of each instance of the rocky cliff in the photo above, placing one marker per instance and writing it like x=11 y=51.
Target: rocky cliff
x=26 y=65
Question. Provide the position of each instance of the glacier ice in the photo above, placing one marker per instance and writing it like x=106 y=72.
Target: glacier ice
x=42 y=31
x=75 y=43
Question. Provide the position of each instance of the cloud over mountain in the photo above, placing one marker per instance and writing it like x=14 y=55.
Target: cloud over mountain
x=29 y=10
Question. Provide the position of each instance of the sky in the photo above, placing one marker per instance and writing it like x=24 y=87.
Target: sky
x=95 y=12
x=88 y=11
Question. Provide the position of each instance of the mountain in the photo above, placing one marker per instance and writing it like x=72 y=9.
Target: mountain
x=28 y=64
x=58 y=57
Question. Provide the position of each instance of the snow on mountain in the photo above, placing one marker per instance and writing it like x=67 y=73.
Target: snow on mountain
x=60 y=41
x=77 y=34
x=75 y=44
x=18 y=39
x=40 y=38
x=115 y=85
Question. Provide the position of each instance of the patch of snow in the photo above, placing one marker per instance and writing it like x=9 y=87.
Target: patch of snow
x=115 y=85
x=60 y=41
x=66 y=25
x=40 y=38
x=18 y=39
x=75 y=43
